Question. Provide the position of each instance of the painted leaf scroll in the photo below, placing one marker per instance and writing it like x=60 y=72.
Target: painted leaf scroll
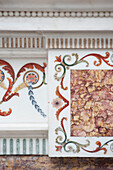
x=81 y=103
x=19 y=83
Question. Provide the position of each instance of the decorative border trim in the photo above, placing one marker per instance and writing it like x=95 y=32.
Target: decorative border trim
x=55 y=41
x=23 y=146
x=34 y=42
x=56 y=14
x=63 y=141
x=66 y=43
x=21 y=42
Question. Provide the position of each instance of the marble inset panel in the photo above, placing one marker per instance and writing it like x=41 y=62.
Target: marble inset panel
x=80 y=103
x=91 y=103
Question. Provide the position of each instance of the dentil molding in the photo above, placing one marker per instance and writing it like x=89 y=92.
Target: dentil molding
x=55 y=40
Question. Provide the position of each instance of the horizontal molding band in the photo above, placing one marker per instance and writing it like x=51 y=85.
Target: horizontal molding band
x=65 y=43
x=23 y=53
x=23 y=146
x=24 y=134
x=21 y=42
x=56 y=14
x=55 y=42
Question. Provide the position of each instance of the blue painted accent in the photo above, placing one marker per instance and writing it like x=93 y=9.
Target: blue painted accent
x=33 y=101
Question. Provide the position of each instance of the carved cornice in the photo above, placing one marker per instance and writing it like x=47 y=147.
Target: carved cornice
x=56 y=13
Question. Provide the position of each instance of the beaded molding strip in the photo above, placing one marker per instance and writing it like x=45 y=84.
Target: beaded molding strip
x=56 y=14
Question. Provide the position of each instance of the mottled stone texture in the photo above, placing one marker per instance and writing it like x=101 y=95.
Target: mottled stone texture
x=92 y=102
x=46 y=163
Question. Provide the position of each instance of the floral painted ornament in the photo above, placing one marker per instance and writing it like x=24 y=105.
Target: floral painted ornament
x=30 y=78
x=57 y=103
x=63 y=142
x=2 y=76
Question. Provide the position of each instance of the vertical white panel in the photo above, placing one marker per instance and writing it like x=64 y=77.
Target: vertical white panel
x=35 y=42
x=34 y=145
x=9 y=42
x=14 y=42
x=31 y=39
x=21 y=145
x=5 y=42
x=14 y=145
x=40 y=146
x=18 y=39
x=27 y=145
x=39 y=42
x=8 y=146
x=47 y=146
x=22 y=42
